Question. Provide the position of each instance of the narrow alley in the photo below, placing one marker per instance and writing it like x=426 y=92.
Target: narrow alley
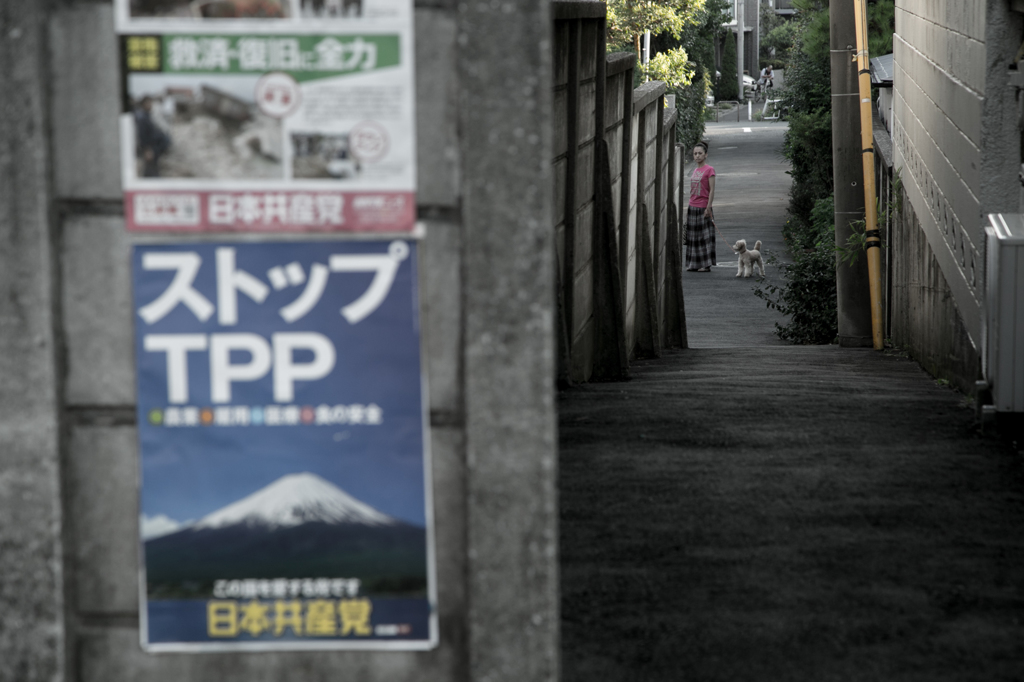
x=751 y=510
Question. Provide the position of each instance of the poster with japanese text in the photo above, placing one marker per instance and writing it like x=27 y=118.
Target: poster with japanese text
x=284 y=468
x=268 y=116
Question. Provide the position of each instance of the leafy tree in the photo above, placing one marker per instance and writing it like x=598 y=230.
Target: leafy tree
x=628 y=20
x=686 y=65
x=779 y=39
x=768 y=22
x=727 y=88
x=881 y=26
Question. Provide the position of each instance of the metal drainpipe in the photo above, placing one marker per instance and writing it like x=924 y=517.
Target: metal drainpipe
x=871 y=231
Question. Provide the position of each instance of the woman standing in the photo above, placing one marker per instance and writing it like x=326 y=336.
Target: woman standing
x=700 y=229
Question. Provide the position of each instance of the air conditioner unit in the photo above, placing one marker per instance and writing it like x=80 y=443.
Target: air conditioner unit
x=1003 y=333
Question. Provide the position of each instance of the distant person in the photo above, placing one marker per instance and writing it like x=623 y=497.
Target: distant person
x=767 y=77
x=150 y=140
x=700 y=219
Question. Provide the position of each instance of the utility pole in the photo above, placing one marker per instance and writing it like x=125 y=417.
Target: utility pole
x=739 y=45
x=852 y=284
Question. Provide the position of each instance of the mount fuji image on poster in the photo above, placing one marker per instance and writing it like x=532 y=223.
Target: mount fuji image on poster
x=284 y=493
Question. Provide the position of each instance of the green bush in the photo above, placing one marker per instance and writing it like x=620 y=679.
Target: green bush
x=727 y=88
x=690 y=104
x=808 y=297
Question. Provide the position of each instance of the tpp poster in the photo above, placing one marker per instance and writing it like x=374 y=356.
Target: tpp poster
x=269 y=116
x=285 y=493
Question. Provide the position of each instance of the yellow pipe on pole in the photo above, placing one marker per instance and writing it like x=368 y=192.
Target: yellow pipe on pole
x=874 y=238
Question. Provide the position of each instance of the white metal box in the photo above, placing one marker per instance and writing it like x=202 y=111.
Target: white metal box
x=1003 y=332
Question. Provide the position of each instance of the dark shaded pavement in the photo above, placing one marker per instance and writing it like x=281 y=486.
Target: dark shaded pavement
x=748 y=510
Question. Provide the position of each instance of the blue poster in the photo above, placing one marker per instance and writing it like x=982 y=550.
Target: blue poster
x=284 y=495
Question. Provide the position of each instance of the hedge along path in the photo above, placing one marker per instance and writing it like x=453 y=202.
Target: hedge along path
x=787 y=513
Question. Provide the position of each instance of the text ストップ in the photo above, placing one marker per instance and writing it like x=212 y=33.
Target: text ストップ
x=276 y=354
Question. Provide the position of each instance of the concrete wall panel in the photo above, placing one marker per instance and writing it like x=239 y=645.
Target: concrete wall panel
x=441 y=305
x=103 y=500
x=436 y=103
x=963 y=106
x=586 y=113
x=584 y=177
x=560 y=137
x=962 y=56
x=98 y=314
x=86 y=97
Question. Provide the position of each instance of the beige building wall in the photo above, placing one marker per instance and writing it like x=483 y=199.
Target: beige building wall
x=957 y=146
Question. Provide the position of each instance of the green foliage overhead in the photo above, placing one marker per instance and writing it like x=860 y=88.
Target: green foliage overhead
x=686 y=65
x=673 y=67
x=781 y=39
x=628 y=20
x=881 y=26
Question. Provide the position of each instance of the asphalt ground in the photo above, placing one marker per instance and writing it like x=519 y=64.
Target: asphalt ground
x=751 y=196
x=751 y=510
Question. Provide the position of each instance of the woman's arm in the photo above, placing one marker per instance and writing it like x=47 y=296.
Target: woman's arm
x=711 y=193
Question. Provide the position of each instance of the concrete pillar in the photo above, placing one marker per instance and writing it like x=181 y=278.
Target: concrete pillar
x=852 y=287
x=508 y=294
x=31 y=547
x=740 y=51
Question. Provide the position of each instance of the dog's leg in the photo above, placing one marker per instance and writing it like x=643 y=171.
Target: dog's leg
x=739 y=267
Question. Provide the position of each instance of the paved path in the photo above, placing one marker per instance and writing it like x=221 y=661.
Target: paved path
x=747 y=510
x=751 y=196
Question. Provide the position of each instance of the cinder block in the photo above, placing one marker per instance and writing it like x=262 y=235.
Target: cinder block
x=437 y=147
x=559 y=122
x=589 y=49
x=583 y=238
x=560 y=38
x=613 y=138
x=613 y=113
x=98 y=311
x=558 y=179
x=101 y=472
x=583 y=299
x=86 y=102
x=586 y=111
x=441 y=303
x=584 y=175
x=448 y=467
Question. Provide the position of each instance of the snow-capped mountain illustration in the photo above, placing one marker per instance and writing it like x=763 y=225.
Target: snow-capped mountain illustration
x=292 y=501
x=296 y=527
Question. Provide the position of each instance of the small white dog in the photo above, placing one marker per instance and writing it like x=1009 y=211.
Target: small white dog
x=749 y=259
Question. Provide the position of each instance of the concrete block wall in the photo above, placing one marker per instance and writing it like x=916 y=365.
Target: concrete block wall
x=68 y=442
x=648 y=118
x=956 y=143
x=668 y=186
x=618 y=134
x=579 y=37
x=593 y=93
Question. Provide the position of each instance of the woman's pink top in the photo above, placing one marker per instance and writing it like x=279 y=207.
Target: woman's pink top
x=700 y=186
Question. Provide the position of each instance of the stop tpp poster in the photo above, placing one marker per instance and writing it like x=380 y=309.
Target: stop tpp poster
x=285 y=490
x=271 y=116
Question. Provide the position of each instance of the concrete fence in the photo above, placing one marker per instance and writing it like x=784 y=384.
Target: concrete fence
x=618 y=248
